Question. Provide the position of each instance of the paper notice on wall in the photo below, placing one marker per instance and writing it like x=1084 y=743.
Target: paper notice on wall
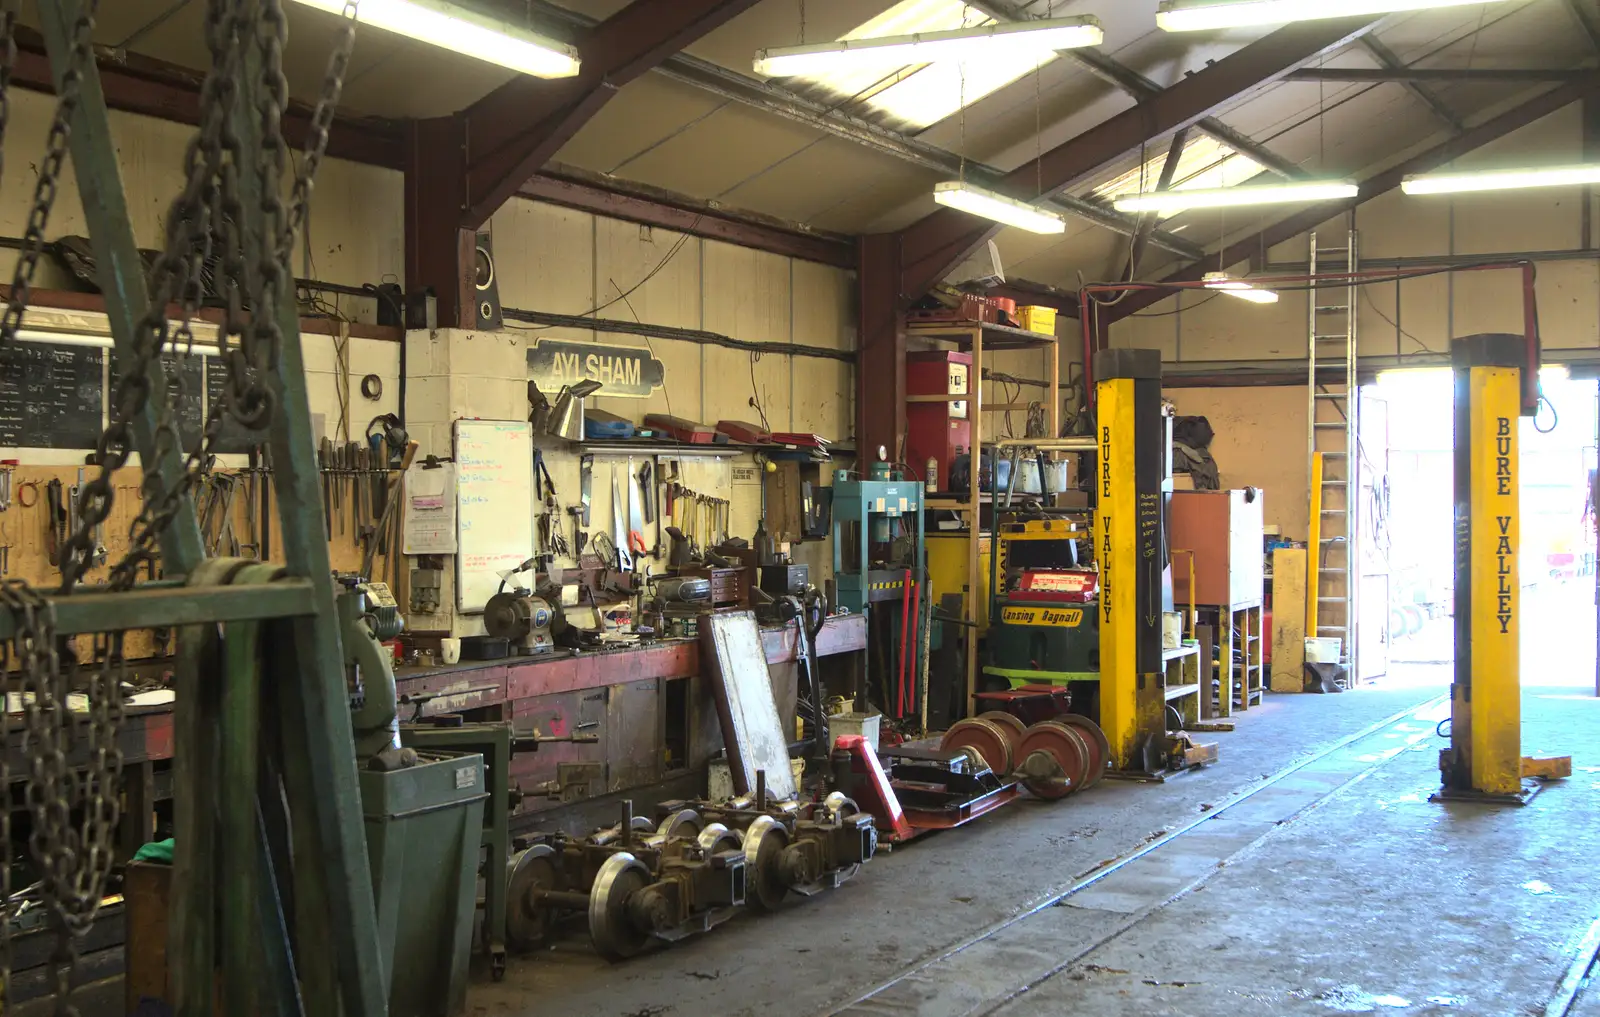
x=430 y=510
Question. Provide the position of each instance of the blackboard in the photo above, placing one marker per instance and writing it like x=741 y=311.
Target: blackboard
x=191 y=415
x=234 y=438
x=51 y=395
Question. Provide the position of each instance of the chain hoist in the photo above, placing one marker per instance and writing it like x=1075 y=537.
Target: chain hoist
x=74 y=859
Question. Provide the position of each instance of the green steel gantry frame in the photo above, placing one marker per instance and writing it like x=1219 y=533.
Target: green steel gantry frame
x=306 y=736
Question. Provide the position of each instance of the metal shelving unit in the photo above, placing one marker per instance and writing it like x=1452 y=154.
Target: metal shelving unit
x=978 y=338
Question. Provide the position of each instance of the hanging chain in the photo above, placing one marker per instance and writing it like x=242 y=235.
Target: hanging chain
x=48 y=183
x=8 y=60
x=73 y=860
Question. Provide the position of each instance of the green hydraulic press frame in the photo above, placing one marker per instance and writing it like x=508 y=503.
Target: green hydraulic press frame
x=336 y=965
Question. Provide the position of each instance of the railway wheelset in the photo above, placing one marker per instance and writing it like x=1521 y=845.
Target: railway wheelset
x=1051 y=758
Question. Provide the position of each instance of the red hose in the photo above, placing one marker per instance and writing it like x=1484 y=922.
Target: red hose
x=905 y=614
x=911 y=664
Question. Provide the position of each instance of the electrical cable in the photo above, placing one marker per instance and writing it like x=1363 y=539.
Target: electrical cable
x=1396 y=325
x=1555 y=418
x=1175 y=310
x=672 y=252
x=665 y=389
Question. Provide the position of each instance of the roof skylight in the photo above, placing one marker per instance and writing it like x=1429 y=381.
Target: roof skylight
x=923 y=94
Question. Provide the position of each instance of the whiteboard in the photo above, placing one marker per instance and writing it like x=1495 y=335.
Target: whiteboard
x=494 y=506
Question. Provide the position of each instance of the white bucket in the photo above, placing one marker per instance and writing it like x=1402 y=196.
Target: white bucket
x=1323 y=649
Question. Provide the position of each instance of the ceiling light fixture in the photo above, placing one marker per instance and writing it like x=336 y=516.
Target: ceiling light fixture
x=962 y=195
x=1238 y=288
x=1169 y=202
x=1189 y=16
x=466 y=32
x=1501 y=180
x=1010 y=42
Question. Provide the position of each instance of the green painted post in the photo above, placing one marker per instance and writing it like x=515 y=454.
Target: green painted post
x=118 y=268
x=317 y=733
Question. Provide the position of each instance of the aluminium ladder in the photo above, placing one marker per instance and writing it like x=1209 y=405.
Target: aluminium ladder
x=1334 y=449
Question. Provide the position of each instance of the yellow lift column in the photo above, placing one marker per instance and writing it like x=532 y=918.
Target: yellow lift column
x=1129 y=549
x=1484 y=761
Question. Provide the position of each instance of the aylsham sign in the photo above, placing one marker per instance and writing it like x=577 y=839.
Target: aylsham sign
x=627 y=371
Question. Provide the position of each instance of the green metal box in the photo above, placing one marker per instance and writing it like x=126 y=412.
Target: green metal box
x=424 y=832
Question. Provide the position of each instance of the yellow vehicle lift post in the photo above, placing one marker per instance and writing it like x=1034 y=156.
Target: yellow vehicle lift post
x=1484 y=761
x=1128 y=547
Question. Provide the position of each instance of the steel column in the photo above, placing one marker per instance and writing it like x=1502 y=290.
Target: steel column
x=881 y=361
x=1128 y=542
x=1485 y=756
x=439 y=253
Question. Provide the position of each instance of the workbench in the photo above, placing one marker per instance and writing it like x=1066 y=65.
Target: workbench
x=651 y=714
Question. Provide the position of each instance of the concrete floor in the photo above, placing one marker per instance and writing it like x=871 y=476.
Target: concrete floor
x=1337 y=889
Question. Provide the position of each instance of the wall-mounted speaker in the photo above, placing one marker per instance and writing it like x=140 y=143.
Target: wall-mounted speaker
x=486 y=285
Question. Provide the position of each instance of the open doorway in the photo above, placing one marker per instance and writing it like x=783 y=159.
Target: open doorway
x=1557 y=541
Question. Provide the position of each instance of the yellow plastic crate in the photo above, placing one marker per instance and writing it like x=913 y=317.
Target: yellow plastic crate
x=1037 y=319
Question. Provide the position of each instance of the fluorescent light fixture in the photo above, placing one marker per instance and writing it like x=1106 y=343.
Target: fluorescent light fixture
x=1238 y=288
x=466 y=32
x=1170 y=202
x=1185 y=16
x=1501 y=180
x=1010 y=42
x=976 y=200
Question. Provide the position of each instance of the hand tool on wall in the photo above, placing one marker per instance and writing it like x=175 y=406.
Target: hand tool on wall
x=647 y=493
x=251 y=547
x=619 y=524
x=325 y=463
x=579 y=538
x=550 y=538
x=7 y=468
x=389 y=513
x=635 y=523
x=261 y=457
x=55 y=518
x=585 y=480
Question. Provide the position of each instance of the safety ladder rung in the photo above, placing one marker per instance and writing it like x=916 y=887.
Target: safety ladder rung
x=1343 y=251
x=1332 y=336
x=1335 y=540
x=1332 y=628
x=1332 y=307
x=1325 y=424
x=1332 y=571
x=1333 y=512
x=1332 y=395
x=1335 y=455
x=1331 y=600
